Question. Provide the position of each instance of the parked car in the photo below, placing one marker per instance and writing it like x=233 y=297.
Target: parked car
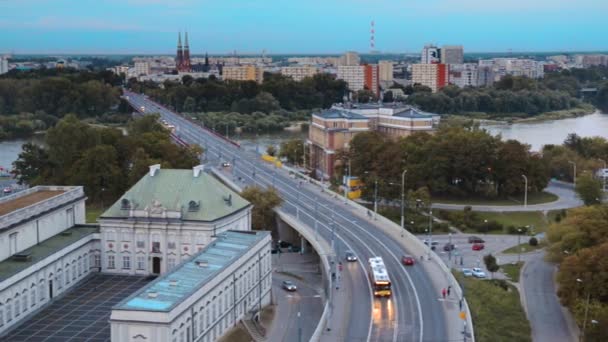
x=478 y=246
x=288 y=285
x=475 y=239
x=225 y=164
x=408 y=260
x=478 y=273
x=433 y=244
x=467 y=272
x=7 y=190
x=449 y=247
x=350 y=256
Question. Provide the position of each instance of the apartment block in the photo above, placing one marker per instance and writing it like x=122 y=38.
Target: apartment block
x=354 y=75
x=434 y=76
x=298 y=73
x=243 y=73
x=386 y=71
x=452 y=54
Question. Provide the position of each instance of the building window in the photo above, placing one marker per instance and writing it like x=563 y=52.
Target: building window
x=33 y=295
x=140 y=263
x=41 y=291
x=24 y=309
x=141 y=244
x=9 y=311
x=17 y=308
x=1 y=316
x=170 y=263
x=67 y=274
x=126 y=262
x=111 y=261
x=171 y=245
x=74 y=271
x=155 y=247
x=97 y=260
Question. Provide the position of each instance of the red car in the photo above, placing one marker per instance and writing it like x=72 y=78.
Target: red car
x=478 y=246
x=407 y=260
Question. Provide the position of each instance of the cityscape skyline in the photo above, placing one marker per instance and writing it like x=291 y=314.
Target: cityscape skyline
x=132 y=27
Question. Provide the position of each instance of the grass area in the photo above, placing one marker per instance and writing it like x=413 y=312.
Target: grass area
x=93 y=212
x=236 y=334
x=512 y=270
x=524 y=247
x=533 y=198
x=534 y=219
x=496 y=310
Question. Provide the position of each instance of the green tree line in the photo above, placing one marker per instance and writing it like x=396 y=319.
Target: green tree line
x=104 y=160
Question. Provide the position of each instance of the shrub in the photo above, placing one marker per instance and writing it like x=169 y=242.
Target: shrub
x=533 y=241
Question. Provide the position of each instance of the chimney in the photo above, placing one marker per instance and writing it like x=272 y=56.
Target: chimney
x=197 y=170
x=153 y=169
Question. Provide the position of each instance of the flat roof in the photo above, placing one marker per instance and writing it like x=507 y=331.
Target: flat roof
x=20 y=202
x=340 y=114
x=39 y=252
x=414 y=113
x=161 y=295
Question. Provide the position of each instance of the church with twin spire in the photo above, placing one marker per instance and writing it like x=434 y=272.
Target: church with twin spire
x=182 y=60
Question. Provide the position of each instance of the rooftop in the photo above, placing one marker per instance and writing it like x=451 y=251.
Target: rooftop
x=44 y=249
x=166 y=292
x=414 y=113
x=18 y=202
x=201 y=198
x=340 y=114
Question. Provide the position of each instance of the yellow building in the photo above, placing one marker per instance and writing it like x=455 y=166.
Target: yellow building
x=243 y=73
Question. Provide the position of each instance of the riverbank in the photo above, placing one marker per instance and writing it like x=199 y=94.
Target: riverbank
x=513 y=118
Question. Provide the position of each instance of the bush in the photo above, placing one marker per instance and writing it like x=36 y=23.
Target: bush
x=533 y=241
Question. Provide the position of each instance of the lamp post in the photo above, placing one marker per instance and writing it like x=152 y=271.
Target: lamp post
x=403 y=199
x=518 y=245
x=375 y=195
x=582 y=336
x=525 y=191
x=574 y=175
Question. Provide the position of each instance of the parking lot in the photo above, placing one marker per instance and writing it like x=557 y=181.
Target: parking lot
x=463 y=256
x=82 y=314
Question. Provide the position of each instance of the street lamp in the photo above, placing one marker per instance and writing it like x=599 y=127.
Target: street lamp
x=525 y=191
x=518 y=245
x=582 y=336
x=574 y=176
x=403 y=199
x=375 y=194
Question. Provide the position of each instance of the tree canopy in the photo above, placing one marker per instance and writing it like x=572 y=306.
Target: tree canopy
x=264 y=201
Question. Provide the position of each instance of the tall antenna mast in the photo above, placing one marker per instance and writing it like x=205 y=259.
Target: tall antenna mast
x=372 y=39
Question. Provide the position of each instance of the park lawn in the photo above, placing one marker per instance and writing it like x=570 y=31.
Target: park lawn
x=524 y=247
x=535 y=219
x=496 y=310
x=512 y=270
x=533 y=198
x=93 y=212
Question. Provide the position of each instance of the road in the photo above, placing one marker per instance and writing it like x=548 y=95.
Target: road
x=549 y=320
x=413 y=313
x=565 y=192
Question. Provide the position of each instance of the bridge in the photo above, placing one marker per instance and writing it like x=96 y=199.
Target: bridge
x=415 y=312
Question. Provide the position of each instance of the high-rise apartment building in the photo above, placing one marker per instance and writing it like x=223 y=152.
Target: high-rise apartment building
x=350 y=58
x=298 y=73
x=372 y=78
x=243 y=73
x=463 y=75
x=430 y=54
x=354 y=75
x=386 y=71
x=3 y=65
x=434 y=76
x=594 y=60
x=142 y=67
x=452 y=54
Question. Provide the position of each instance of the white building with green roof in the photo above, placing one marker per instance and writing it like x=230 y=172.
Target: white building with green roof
x=166 y=218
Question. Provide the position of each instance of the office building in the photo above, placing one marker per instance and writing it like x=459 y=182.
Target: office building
x=243 y=73
x=430 y=54
x=350 y=58
x=452 y=54
x=385 y=71
x=463 y=75
x=354 y=75
x=298 y=73
x=333 y=129
x=434 y=76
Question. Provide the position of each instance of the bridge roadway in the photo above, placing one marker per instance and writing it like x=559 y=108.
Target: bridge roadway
x=413 y=313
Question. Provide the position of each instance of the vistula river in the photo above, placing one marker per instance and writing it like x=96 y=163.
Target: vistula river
x=536 y=134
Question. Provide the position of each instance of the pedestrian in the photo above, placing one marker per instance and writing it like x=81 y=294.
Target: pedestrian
x=460 y=303
x=449 y=290
x=443 y=291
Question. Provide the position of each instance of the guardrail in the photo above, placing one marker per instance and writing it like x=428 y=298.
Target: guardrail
x=320 y=245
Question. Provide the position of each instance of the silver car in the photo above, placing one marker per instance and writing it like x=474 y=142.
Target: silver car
x=289 y=285
x=350 y=256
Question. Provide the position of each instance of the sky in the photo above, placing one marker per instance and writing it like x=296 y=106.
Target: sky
x=299 y=26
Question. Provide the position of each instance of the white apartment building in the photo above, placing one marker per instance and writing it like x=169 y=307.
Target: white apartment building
x=464 y=75
x=3 y=65
x=452 y=54
x=203 y=297
x=45 y=249
x=434 y=76
x=354 y=75
x=334 y=61
x=243 y=73
x=166 y=218
x=350 y=58
x=298 y=73
x=515 y=67
x=386 y=71
x=142 y=67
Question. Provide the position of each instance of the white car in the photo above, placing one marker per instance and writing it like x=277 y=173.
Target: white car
x=478 y=273
x=467 y=272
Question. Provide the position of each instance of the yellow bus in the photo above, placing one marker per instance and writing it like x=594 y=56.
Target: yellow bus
x=381 y=283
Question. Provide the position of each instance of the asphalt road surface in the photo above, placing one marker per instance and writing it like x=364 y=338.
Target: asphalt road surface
x=411 y=314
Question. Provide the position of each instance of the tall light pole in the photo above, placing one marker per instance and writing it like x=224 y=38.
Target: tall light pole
x=518 y=245
x=525 y=191
x=582 y=336
x=403 y=199
x=574 y=175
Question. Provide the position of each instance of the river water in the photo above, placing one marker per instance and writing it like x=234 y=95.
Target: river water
x=536 y=134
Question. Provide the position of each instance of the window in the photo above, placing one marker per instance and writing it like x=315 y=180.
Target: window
x=67 y=274
x=111 y=261
x=33 y=295
x=170 y=263
x=141 y=244
x=155 y=247
x=17 y=308
x=141 y=263
x=171 y=245
x=41 y=291
x=1 y=315
x=69 y=214
x=59 y=279
x=126 y=262
x=97 y=260
x=24 y=309
x=201 y=320
x=9 y=311
x=74 y=271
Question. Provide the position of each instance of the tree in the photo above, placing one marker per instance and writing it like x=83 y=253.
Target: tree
x=99 y=173
x=293 y=150
x=31 y=165
x=490 y=262
x=589 y=189
x=388 y=97
x=271 y=150
x=189 y=104
x=264 y=201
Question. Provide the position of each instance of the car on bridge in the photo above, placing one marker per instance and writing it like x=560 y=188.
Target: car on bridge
x=475 y=239
x=478 y=246
x=408 y=260
x=350 y=256
x=288 y=285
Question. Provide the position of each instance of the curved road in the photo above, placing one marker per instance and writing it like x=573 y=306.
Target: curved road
x=411 y=314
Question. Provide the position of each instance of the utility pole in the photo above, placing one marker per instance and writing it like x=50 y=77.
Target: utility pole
x=376 y=198
x=525 y=191
x=403 y=198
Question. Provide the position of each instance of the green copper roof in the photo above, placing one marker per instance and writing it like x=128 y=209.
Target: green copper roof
x=173 y=190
